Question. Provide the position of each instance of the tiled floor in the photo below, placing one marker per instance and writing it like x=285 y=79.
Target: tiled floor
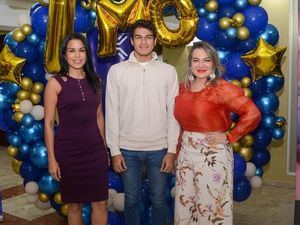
x=273 y=204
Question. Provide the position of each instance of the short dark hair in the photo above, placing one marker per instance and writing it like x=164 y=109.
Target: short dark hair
x=147 y=24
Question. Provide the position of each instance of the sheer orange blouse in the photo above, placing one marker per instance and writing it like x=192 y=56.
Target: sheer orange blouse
x=209 y=110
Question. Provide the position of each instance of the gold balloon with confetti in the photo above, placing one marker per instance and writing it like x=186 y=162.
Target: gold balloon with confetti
x=246 y=153
x=16 y=164
x=264 y=60
x=10 y=66
x=12 y=150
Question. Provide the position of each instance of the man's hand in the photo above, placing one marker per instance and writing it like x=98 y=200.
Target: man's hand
x=118 y=163
x=168 y=163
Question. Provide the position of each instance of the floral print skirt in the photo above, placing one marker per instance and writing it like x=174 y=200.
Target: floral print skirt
x=204 y=182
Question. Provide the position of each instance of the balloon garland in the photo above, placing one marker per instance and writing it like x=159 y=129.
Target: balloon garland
x=239 y=29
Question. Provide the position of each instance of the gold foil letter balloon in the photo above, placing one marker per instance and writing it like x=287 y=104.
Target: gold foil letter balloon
x=60 y=23
x=188 y=20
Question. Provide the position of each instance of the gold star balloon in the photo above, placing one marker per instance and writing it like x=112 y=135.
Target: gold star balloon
x=264 y=59
x=10 y=66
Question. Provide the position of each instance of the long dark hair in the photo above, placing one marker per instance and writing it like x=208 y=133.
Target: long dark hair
x=88 y=67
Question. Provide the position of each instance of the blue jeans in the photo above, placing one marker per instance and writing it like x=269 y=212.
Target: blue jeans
x=132 y=180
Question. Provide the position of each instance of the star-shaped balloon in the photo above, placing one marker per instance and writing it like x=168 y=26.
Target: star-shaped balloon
x=264 y=59
x=10 y=66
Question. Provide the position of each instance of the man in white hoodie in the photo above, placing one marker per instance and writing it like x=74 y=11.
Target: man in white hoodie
x=141 y=130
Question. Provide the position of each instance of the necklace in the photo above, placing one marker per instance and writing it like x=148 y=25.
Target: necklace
x=81 y=90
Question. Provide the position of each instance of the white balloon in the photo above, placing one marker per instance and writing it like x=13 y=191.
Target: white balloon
x=26 y=106
x=38 y=112
x=251 y=169
x=43 y=205
x=31 y=187
x=173 y=192
x=112 y=192
x=256 y=182
x=118 y=202
x=32 y=198
x=24 y=19
x=111 y=209
x=109 y=200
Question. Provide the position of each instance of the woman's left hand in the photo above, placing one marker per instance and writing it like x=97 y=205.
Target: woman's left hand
x=215 y=138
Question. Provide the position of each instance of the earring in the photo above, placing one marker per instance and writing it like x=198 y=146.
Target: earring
x=212 y=76
x=191 y=76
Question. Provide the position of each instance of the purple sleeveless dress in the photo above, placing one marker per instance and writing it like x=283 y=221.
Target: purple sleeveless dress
x=78 y=146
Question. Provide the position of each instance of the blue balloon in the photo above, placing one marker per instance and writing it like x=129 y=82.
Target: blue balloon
x=35 y=71
x=262 y=137
x=270 y=35
x=223 y=41
x=39 y=18
x=5 y=100
x=38 y=155
x=83 y=20
x=212 y=16
x=258 y=87
x=256 y=19
x=259 y=172
x=3 y=125
x=277 y=133
x=199 y=3
x=241 y=189
x=267 y=103
x=48 y=185
x=23 y=153
x=222 y=55
x=280 y=119
x=226 y=11
x=9 y=121
x=32 y=134
x=10 y=89
x=29 y=172
x=28 y=120
x=261 y=157
x=234 y=117
x=207 y=31
x=241 y=4
x=27 y=51
x=33 y=38
x=34 y=7
x=114 y=181
x=225 y=2
x=202 y=11
x=273 y=83
x=247 y=45
x=236 y=68
x=10 y=42
x=54 y=204
x=268 y=120
x=86 y=214
x=14 y=139
x=231 y=32
x=240 y=166
x=114 y=219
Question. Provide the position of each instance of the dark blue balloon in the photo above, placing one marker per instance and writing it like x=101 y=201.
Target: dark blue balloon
x=258 y=87
x=32 y=134
x=234 y=117
x=10 y=89
x=114 y=181
x=259 y=172
x=34 y=7
x=29 y=172
x=35 y=71
x=256 y=19
x=38 y=155
x=223 y=41
x=241 y=4
x=14 y=139
x=28 y=120
x=273 y=83
x=227 y=11
x=27 y=51
x=23 y=153
x=5 y=100
x=261 y=157
x=9 y=121
x=54 y=204
x=39 y=18
x=262 y=137
x=225 y=2
x=222 y=55
x=199 y=3
x=247 y=45
x=202 y=11
x=277 y=133
x=206 y=30
x=241 y=189
x=267 y=103
x=3 y=125
x=231 y=32
x=86 y=214
x=270 y=35
x=212 y=16
x=236 y=68
x=10 y=42
x=48 y=185
x=33 y=38
x=268 y=121
x=114 y=219
x=240 y=166
x=280 y=119
x=83 y=20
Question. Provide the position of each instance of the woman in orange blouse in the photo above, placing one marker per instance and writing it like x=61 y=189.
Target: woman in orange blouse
x=204 y=172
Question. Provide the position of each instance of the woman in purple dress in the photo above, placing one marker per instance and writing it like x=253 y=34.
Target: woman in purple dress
x=77 y=154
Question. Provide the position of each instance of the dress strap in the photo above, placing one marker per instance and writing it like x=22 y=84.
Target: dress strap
x=60 y=80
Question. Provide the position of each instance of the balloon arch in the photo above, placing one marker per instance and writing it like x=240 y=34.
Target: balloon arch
x=239 y=29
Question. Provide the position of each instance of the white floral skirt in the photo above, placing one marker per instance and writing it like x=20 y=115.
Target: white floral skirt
x=204 y=182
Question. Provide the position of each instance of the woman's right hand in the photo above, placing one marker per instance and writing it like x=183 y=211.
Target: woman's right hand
x=54 y=169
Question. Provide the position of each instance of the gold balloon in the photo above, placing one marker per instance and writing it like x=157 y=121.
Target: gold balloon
x=243 y=33
x=57 y=198
x=264 y=59
x=16 y=107
x=248 y=92
x=12 y=150
x=246 y=81
x=247 y=140
x=22 y=95
x=26 y=83
x=236 y=146
x=26 y=29
x=43 y=197
x=60 y=23
x=16 y=164
x=87 y=5
x=211 y=5
x=18 y=36
x=10 y=66
x=246 y=153
x=18 y=116
x=188 y=19
x=35 y=98
x=225 y=22
x=37 y=87
x=254 y=2
x=64 y=209
x=111 y=16
x=238 y=19
x=236 y=82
